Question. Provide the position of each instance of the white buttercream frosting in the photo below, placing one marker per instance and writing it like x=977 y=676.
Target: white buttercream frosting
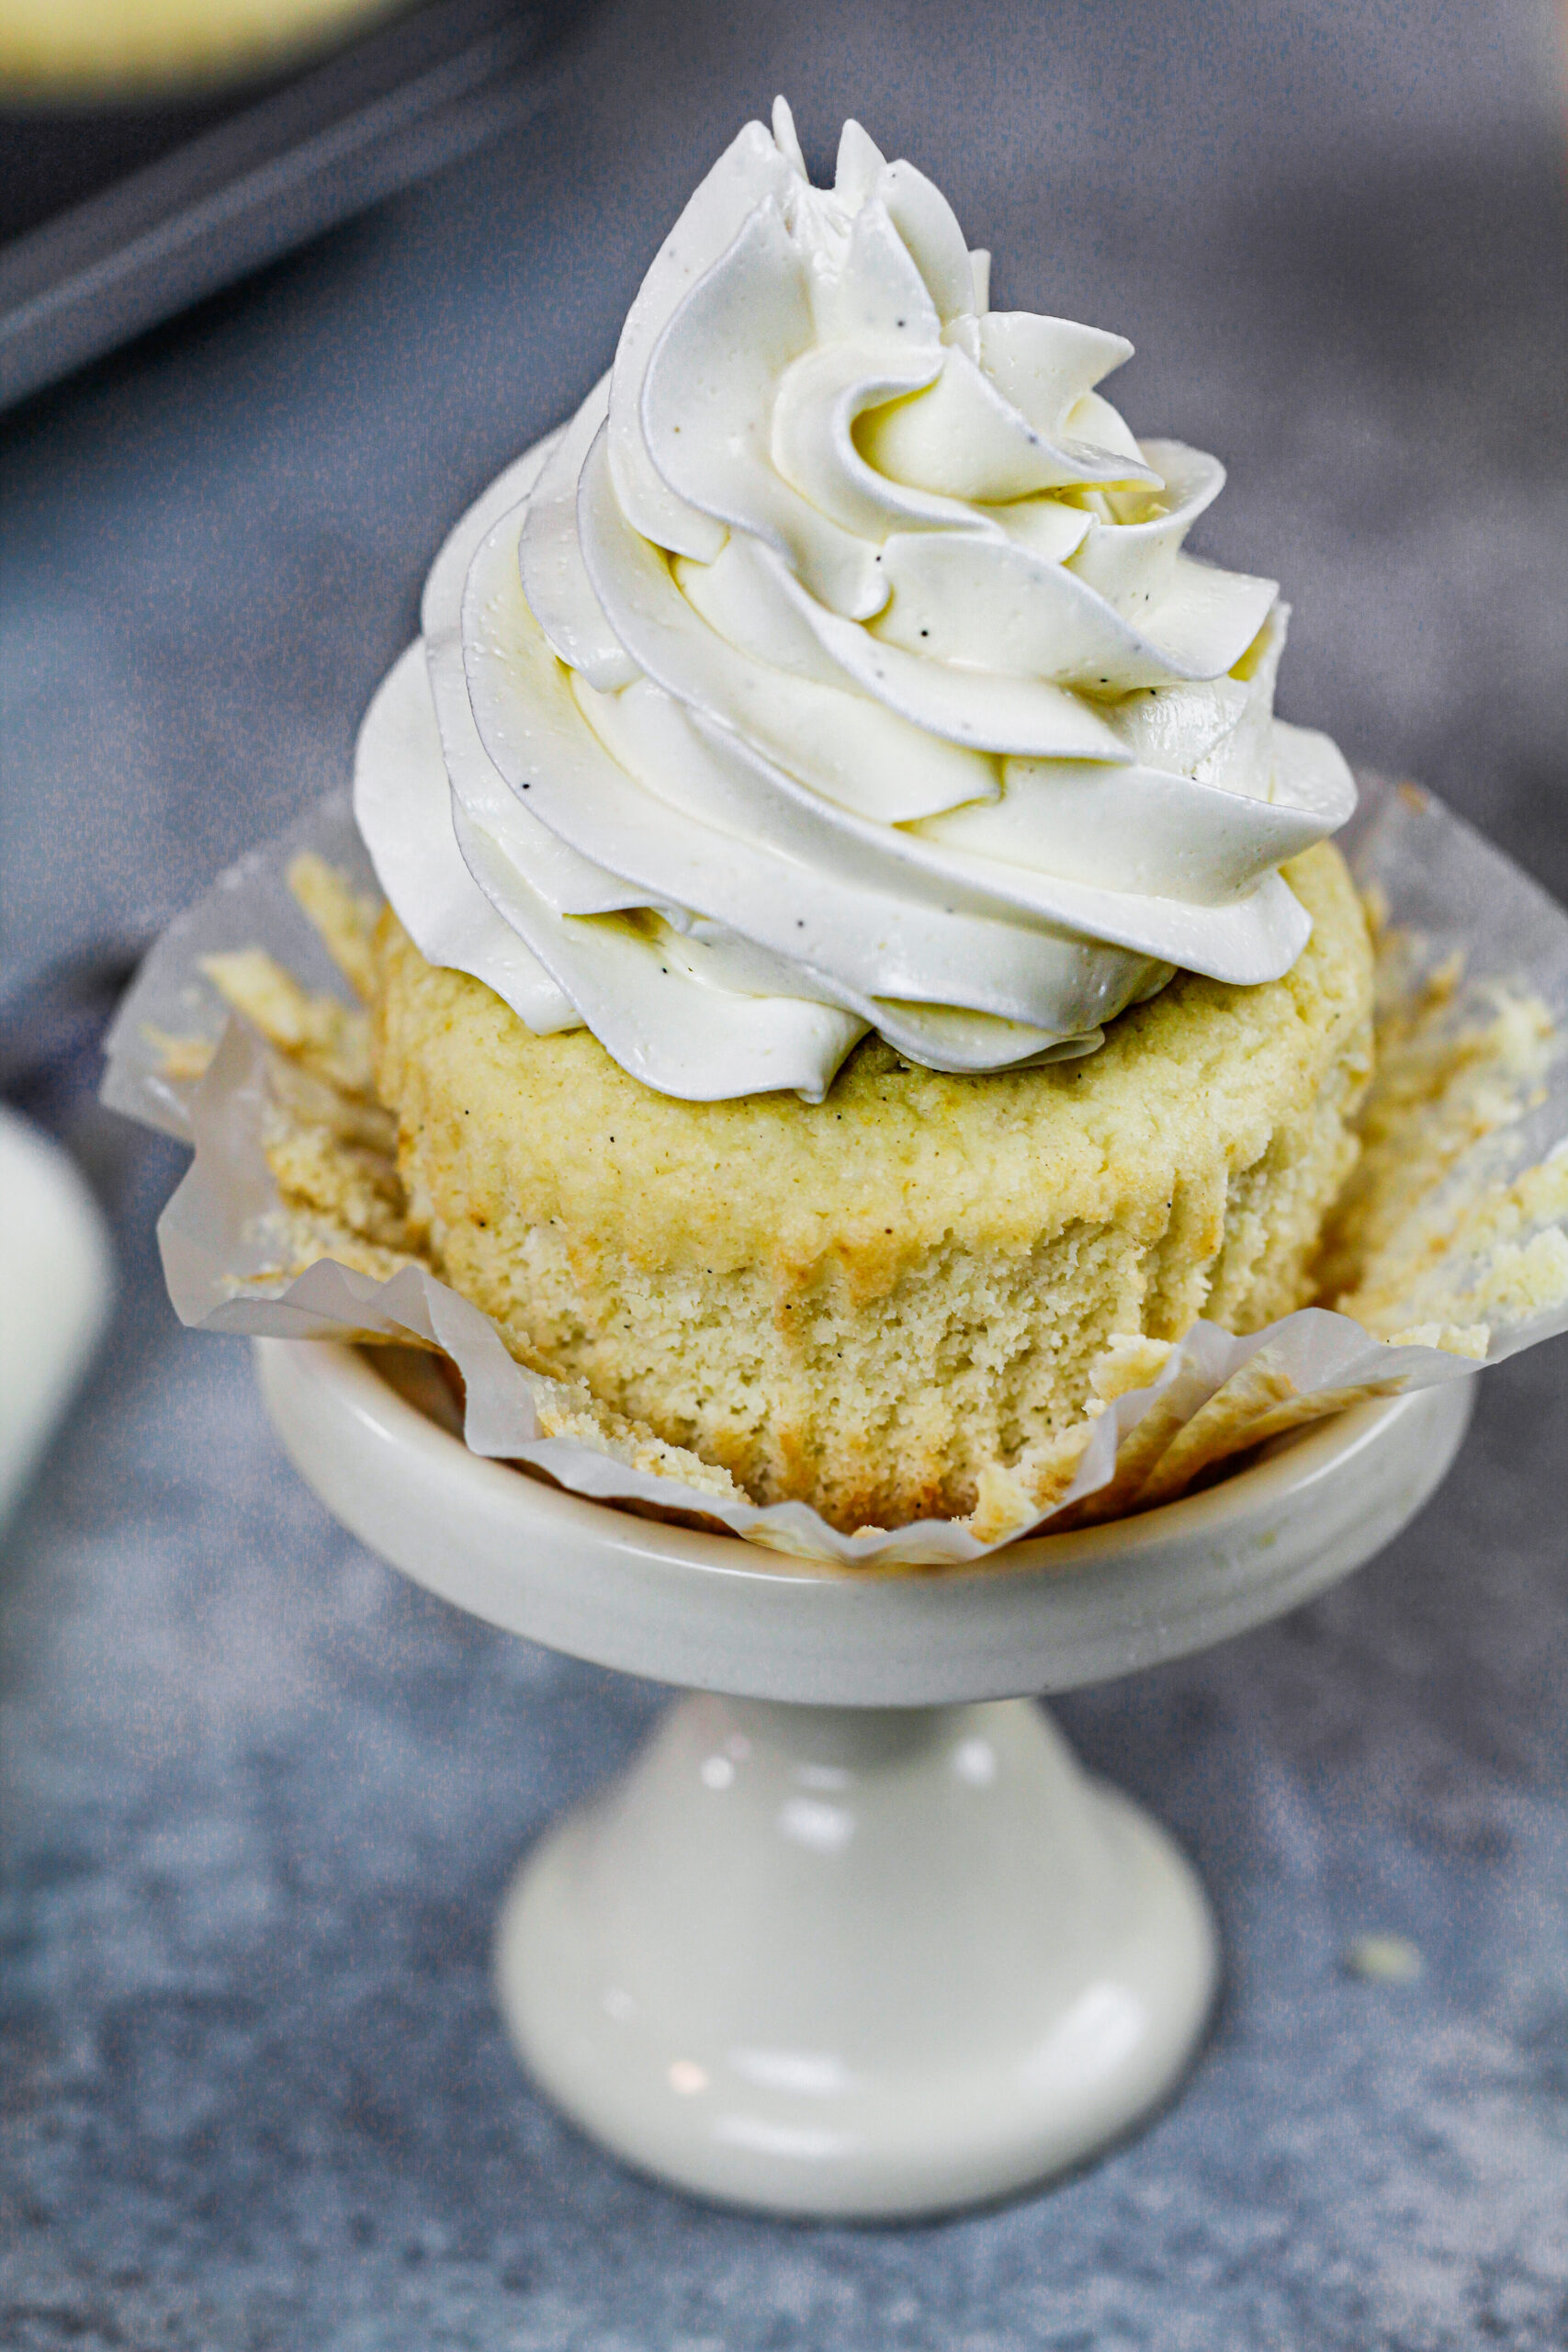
x=838 y=667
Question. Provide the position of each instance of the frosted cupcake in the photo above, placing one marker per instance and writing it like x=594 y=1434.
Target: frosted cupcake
x=862 y=955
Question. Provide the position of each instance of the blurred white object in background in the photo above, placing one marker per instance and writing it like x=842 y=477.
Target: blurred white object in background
x=56 y=1284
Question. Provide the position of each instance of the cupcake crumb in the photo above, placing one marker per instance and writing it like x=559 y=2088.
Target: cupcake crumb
x=1385 y=1960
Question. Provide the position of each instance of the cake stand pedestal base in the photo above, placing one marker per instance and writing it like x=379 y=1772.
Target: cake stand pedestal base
x=859 y=1939
x=857 y=1963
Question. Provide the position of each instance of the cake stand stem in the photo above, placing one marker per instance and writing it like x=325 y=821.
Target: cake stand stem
x=856 y=1963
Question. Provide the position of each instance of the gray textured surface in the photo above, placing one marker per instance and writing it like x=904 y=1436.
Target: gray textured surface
x=260 y=1798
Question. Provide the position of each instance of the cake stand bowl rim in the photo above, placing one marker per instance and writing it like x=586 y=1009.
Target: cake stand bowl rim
x=681 y=1605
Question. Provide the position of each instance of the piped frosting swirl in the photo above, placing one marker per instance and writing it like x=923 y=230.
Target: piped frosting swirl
x=838 y=667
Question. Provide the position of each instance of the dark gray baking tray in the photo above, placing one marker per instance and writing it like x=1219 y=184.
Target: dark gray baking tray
x=112 y=219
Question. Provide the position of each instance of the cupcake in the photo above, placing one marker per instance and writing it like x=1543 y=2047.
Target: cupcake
x=862 y=966
x=80 y=51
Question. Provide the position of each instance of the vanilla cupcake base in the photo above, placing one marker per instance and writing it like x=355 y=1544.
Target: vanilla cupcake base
x=76 y=52
x=874 y=1303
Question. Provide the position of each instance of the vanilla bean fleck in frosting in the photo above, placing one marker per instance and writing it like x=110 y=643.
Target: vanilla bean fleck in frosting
x=838 y=667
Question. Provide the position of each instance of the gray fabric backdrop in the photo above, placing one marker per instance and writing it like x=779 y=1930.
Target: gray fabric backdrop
x=260 y=1798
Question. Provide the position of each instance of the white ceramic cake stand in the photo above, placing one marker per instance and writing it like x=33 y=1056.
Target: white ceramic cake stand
x=857 y=1937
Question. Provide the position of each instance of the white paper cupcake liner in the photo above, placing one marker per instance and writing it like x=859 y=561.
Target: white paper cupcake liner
x=1459 y=906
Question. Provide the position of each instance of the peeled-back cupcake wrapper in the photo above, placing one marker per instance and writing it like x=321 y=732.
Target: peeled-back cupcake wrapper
x=1460 y=907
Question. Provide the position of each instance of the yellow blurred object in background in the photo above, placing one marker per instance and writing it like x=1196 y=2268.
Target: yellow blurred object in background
x=69 y=50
